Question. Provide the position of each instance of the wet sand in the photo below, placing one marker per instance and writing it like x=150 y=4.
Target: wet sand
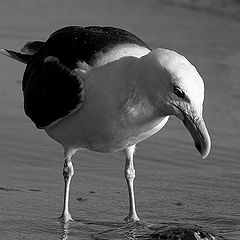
x=173 y=183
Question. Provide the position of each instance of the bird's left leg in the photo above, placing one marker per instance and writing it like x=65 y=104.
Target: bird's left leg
x=68 y=172
x=129 y=173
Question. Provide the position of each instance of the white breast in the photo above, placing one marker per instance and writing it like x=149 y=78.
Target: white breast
x=108 y=121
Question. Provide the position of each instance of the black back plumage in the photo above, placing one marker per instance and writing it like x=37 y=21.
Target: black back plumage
x=52 y=89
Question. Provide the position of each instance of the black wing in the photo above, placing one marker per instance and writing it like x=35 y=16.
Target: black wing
x=54 y=92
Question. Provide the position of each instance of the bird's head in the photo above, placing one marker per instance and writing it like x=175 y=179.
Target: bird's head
x=174 y=87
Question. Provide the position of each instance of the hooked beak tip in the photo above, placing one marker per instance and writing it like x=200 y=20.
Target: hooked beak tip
x=200 y=135
x=203 y=150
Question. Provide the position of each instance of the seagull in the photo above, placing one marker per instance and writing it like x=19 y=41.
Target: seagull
x=103 y=89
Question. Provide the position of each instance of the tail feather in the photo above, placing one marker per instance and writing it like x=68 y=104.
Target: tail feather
x=21 y=57
x=29 y=49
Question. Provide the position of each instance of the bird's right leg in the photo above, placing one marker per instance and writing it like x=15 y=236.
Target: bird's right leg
x=129 y=173
x=68 y=172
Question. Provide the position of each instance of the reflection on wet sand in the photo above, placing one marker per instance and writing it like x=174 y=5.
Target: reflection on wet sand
x=141 y=231
x=65 y=231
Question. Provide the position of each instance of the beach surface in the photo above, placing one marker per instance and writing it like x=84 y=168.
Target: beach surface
x=173 y=184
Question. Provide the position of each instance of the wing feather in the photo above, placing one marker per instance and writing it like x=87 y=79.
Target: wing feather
x=53 y=93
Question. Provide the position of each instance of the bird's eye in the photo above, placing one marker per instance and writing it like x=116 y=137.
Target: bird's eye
x=179 y=92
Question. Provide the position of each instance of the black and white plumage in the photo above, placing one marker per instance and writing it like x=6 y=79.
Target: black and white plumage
x=104 y=89
x=52 y=69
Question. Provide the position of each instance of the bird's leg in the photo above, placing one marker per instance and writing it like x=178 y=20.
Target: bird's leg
x=129 y=173
x=68 y=172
